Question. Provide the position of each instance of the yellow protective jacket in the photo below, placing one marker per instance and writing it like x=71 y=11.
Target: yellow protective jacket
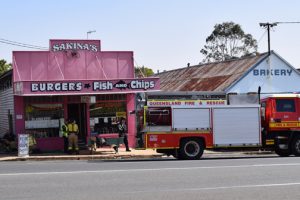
x=65 y=131
x=73 y=128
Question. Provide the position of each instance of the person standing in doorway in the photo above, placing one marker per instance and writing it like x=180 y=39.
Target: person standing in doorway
x=64 y=129
x=73 y=136
x=122 y=130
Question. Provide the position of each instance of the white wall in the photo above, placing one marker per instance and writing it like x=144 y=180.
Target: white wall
x=281 y=78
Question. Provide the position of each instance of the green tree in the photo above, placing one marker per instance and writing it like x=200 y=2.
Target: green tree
x=4 y=66
x=228 y=41
x=143 y=71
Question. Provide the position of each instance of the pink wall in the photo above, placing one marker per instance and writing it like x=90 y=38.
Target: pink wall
x=72 y=60
x=19 y=115
x=49 y=66
x=50 y=144
x=131 y=120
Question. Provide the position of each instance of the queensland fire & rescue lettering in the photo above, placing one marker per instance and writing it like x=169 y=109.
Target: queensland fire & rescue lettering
x=48 y=87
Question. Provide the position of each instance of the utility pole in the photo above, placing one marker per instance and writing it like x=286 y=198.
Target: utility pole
x=268 y=26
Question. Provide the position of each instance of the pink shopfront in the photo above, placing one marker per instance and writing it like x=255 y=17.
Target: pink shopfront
x=75 y=79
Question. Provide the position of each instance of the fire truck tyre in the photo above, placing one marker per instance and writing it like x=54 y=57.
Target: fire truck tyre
x=191 y=149
x=296 y=146
x=283 y=152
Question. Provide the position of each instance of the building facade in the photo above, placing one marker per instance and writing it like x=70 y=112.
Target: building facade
x=75 y=79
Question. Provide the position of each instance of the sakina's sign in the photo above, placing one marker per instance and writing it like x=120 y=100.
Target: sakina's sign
x=74 y=46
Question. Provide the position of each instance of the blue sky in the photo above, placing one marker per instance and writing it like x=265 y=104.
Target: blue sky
x=164 y=34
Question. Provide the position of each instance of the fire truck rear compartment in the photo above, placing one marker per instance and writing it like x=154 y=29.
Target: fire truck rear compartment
x=194 y=129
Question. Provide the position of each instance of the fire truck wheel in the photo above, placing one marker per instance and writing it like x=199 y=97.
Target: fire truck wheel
x=283 y=152
x=191 y=149
x=296 y=146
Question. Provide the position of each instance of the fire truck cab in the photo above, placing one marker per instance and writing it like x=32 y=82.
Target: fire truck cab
x=280 y=118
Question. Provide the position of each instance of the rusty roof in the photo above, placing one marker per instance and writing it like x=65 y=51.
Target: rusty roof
x=207 y=77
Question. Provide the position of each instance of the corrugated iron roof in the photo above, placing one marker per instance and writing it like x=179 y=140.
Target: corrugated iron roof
x=207 y=77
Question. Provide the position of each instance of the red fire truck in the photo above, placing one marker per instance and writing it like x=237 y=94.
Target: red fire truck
x=184 y=128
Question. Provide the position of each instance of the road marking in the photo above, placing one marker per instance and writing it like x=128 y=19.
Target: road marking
x=142 y=170
x=215 y=188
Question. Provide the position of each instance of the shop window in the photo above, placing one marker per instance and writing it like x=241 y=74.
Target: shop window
x=43 y=120
x=105 y=115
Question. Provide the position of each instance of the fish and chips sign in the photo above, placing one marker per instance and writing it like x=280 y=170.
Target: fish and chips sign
x=87 y=87
x=193 y=103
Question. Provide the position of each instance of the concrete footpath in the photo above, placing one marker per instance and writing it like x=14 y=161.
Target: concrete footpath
x=109 y=154
x=101 y=153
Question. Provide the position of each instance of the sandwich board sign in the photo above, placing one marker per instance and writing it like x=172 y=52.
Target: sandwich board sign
x=23 y=145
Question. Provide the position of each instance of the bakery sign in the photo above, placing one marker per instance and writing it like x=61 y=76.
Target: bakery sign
x=89 y=87
x=272 y=72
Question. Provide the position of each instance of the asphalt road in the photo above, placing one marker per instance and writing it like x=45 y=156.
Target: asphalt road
x=246 y=178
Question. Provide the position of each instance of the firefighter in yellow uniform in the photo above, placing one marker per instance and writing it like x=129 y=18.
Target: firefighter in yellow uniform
x=32 y=144
x=73 y=136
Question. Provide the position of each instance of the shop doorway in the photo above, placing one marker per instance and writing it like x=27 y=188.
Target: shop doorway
x=78 y=112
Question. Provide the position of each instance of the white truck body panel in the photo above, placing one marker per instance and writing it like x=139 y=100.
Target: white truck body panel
x=236 y=126
x=191 y=118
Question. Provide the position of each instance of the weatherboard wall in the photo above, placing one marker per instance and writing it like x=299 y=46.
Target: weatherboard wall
x=6 y=107
x=273 y=74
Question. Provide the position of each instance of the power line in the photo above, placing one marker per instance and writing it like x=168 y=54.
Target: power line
x=139 y=68
x=287 y=22
x=26 y=46
x=21 y=43
x=14 y=43
x=261 y=37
